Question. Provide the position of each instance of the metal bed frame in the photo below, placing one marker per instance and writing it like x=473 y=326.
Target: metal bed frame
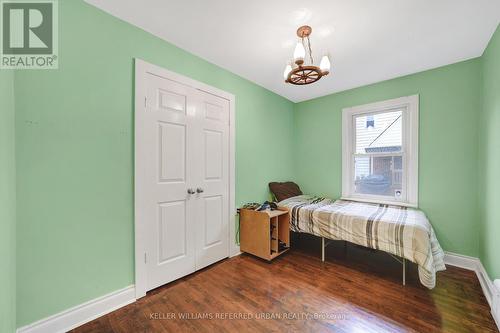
x=402 y=261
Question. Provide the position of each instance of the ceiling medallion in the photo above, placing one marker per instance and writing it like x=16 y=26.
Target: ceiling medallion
x=301 y=74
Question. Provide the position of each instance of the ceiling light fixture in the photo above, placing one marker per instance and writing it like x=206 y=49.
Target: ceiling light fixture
x=298 y=73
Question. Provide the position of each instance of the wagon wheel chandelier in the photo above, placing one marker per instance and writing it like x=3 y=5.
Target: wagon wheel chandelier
x=299 y=73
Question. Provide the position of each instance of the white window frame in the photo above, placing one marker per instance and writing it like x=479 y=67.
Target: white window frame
x=410 y=107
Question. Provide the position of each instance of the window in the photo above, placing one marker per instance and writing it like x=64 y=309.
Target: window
x=380 y=152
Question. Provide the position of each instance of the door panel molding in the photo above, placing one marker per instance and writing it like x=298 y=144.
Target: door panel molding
x=174 y=108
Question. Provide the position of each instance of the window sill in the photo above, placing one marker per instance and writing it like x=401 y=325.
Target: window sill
x=383 y=202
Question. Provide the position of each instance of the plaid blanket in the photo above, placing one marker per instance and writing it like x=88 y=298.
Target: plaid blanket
x=401 y=231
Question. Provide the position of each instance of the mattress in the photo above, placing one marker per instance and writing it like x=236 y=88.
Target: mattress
x=401 y=231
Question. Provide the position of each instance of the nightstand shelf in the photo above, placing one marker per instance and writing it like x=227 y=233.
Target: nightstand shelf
x=261 y=232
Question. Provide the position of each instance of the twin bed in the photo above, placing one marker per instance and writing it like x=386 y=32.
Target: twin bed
x=403 y=232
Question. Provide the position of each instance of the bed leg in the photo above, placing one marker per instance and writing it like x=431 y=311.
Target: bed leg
x=404 y=271
x=322 y=248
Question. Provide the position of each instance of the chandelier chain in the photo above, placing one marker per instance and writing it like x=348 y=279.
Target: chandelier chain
x=310 y=50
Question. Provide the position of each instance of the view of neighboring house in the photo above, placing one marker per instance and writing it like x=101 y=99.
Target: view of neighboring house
x=379 y=157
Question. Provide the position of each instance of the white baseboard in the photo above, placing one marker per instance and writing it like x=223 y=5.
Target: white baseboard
x=491 y=292
x=235 y=251
x=83 y=313
x=495 y=309
x=461 y=261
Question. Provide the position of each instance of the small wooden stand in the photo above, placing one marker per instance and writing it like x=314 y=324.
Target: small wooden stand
x=260 y=232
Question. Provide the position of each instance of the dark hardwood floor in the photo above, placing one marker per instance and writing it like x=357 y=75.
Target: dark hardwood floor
x=357 y=290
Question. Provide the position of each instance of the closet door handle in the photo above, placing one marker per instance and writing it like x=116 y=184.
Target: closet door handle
x=199 y=190
x=190 y=191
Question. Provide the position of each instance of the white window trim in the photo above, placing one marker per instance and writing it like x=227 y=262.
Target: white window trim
x=410 y=146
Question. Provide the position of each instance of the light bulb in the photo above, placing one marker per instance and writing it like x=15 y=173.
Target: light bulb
x=324 y=65
x=299 y=53
x=287 y=71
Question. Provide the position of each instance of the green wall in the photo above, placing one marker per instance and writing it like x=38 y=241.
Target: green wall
x=489 y=162
x=449 y=108
x=7 y=204
x=74 y=131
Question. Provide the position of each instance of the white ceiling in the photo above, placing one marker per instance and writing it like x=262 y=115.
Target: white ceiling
x=368 y=41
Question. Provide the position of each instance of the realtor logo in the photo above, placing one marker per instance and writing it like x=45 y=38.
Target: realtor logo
x=29 y=34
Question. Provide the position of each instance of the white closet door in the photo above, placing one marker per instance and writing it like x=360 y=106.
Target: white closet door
x=167 y=141
x=182 y=179
x=212 y=159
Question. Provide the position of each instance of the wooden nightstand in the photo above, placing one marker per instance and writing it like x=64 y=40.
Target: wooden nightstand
x=260 y=232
